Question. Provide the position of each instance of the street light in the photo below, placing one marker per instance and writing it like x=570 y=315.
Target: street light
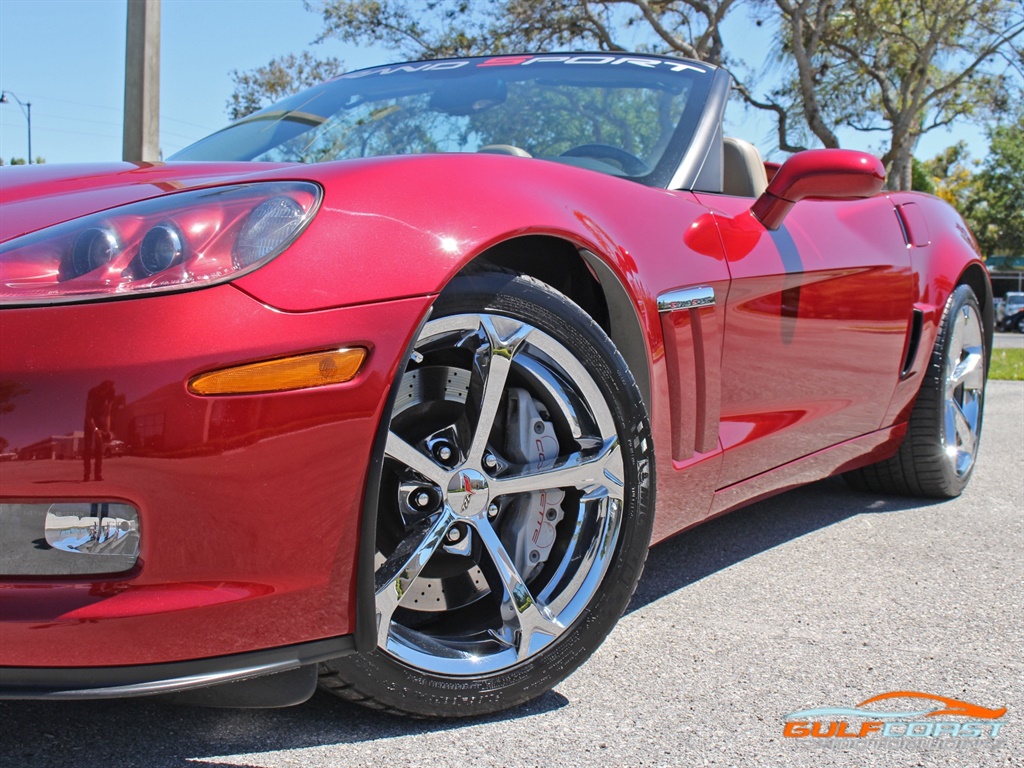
x=26 y=109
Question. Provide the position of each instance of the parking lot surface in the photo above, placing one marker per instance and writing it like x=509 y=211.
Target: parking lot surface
x=820 y=597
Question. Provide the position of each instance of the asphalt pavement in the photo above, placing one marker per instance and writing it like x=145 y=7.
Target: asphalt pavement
x=821 y=597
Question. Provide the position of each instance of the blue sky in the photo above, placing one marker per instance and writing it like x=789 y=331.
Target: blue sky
x=66 y=57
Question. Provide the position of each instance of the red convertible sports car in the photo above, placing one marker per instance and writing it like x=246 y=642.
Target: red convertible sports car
x=396 y=367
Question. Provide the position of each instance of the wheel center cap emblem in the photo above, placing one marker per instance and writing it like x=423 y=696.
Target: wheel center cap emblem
x=467 y=493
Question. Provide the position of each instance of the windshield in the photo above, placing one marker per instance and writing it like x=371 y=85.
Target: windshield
x=629 y=116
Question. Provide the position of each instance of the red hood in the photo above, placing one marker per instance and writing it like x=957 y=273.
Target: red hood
x=38 y=196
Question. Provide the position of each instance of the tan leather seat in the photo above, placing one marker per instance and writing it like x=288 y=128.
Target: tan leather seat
x=744 y=174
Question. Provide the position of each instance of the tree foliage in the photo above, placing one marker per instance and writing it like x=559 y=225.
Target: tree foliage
x=997 y=210
x=952 y=176
x=427 y=29
x=282 y=77
x=898 y=67
x=440 y=28
x=921 y=181
x=990 y=193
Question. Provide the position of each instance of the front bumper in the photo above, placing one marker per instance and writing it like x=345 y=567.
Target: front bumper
x=248 y=506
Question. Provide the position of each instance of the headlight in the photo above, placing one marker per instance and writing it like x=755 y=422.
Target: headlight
x=162 y=248
x=92 y=249
x=177 y=242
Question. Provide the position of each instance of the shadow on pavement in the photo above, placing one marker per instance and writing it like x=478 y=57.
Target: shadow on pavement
x=735 y=536
x=151 y=734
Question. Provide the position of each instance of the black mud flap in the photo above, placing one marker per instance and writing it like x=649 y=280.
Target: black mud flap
x=283 y=689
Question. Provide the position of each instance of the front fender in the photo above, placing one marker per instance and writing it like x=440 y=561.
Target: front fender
x=398 y=227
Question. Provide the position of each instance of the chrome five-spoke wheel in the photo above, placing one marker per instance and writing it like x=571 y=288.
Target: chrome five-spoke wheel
x=514 y=510
x=964 y=387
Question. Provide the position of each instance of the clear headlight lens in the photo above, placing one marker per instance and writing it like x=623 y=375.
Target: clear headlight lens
x=268 y=228
x=185 y=240
x=162 y=248
x=93 y=248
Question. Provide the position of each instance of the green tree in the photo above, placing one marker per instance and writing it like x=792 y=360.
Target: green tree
x=437 y=28
x=282 y=77
x=921 y=179
x=996 y=212
x=897 y=67
x=952 y=176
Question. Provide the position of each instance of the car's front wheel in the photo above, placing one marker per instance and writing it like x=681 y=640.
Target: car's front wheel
x=515 y=506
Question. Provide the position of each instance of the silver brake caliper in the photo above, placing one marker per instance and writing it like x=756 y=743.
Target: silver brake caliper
x=528 y=527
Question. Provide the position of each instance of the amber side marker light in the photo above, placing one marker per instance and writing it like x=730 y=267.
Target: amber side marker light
x=316 y=369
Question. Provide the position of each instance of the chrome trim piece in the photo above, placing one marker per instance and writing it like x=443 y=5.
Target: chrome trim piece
x=690 y=324
x=94 y=529
x=686 y=298
x=68 y=538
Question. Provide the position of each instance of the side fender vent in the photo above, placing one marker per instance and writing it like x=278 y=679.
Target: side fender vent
x=913 y=341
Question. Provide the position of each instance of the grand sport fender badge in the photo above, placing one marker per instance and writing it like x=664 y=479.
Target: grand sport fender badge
x=686 y=298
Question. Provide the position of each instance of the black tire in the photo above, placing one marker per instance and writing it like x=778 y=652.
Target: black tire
x=564 y=604
x=935 y=460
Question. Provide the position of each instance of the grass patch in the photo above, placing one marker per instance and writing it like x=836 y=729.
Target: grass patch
x=1007 y=364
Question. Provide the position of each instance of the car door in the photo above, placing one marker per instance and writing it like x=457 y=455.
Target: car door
x=816 y=322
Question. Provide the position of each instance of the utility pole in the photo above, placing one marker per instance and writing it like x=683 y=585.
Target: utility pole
x=142 y=82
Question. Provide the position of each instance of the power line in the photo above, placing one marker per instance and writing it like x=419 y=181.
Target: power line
x=73 y=133
x=78 y=119
x=114 y=109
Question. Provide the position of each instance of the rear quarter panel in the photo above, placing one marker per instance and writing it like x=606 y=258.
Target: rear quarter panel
x=943 y=254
